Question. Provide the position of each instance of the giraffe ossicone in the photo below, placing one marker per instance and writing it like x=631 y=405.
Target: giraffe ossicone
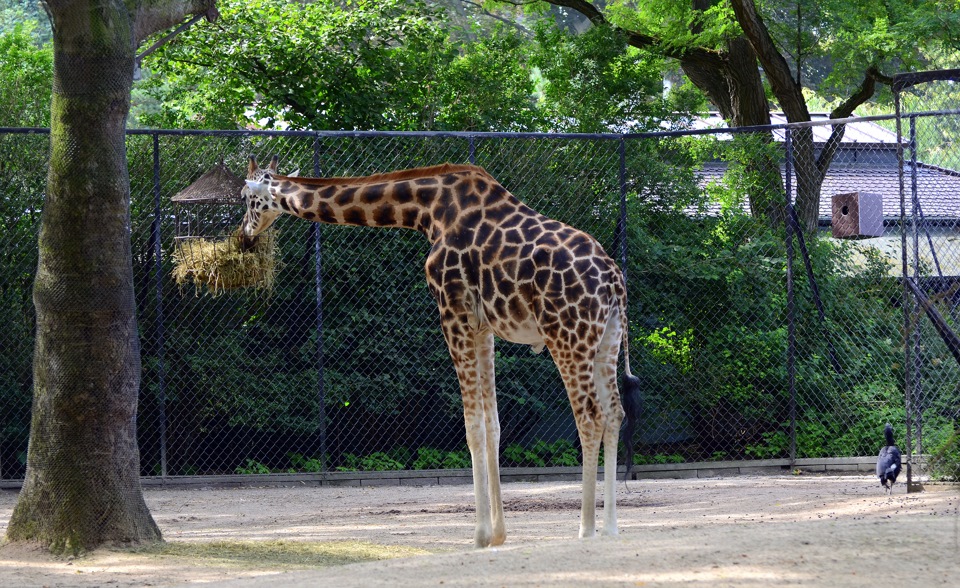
x=496 y=267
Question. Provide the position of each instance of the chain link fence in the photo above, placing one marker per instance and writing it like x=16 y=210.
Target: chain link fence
x=928 y=133
x=752 y=341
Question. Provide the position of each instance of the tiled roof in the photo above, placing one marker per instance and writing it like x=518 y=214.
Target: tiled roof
x=856 y=133
x=938 y=189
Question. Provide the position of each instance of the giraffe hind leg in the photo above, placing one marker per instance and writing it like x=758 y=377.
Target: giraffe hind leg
x=608 y=398
x=484 y=345
x=578 y=378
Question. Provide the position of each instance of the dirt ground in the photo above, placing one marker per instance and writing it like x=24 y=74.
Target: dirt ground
x=808 y=530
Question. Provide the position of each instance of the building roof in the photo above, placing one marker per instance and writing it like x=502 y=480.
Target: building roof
x=218 y=185
x=858 y=133
x=938 y=189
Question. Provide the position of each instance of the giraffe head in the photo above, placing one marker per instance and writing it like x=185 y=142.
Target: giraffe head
x=261 y=208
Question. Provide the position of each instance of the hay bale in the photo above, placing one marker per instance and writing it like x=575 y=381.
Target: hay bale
x=222 y=265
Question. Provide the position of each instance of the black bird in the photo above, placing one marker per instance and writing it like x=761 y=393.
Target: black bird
x=888 y=462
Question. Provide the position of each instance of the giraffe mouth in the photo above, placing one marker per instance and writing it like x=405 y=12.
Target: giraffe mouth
x=247 y=243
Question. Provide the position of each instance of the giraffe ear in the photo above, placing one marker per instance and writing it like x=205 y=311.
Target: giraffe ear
x=273 y=164
x=294 y=174
x=252 y=167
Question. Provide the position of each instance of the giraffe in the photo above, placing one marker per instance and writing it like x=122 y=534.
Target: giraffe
x=495 y=267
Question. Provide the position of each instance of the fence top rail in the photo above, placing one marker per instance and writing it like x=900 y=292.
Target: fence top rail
x=503 y=135
x=901 y=81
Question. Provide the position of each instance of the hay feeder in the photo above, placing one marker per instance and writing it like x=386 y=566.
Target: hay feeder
x=207 y=247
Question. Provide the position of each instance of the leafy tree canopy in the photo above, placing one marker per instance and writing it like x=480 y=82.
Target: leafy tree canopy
x=26 y=68
x=14 y=13
x=394 y=66
x=373 y=65
x=827 y=44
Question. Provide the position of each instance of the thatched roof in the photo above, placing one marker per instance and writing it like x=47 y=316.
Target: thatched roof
x=217 y=186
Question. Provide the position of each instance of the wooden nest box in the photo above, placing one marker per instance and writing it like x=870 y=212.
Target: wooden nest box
x=857 y=215
x=207 y=250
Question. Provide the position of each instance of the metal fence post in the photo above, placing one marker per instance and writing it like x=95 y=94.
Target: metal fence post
x=159 y=318
x=791 y=318
x=315 y=237
x=622 y=219
x=908 y=305
x=915 y=219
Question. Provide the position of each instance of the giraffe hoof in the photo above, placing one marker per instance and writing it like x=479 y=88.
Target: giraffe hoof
x=482 y=539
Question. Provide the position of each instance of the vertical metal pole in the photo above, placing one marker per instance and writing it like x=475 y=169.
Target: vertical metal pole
x=159 y=317
x=320 y=358
x=472 y=146
x=791 y=319
x=916 y=390
x=908 y=300
x=622 y=219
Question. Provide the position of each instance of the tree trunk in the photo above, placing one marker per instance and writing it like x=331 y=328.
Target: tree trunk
x=732 y=82
x=82 y=486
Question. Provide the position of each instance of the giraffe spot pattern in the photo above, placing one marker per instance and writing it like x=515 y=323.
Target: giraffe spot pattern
x=495 y=266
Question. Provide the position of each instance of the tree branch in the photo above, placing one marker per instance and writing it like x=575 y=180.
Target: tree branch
x=152 y=17
x=480 y=10
x=845 y=109
x=788 y=92
x=634 y=38
x=863 y=93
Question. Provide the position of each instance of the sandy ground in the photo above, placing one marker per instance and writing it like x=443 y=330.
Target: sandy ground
x=738 y=531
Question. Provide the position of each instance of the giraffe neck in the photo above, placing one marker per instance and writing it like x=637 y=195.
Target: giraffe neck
x=430 y=200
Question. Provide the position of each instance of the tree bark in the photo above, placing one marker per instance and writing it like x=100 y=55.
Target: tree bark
x=82 y=486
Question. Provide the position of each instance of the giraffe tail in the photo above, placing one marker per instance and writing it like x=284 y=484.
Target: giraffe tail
x=631 y=400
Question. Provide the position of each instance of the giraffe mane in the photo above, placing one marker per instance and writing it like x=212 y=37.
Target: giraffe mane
x=395 y=176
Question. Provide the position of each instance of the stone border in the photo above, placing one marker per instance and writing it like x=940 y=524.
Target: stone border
x=707 y=469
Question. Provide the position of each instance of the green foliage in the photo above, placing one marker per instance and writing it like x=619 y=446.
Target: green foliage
x=24 y=14
x=593 y=81
x=320 y=65
x=519 y=456
x=429 y=458
x=393 y=66
x=659 y=458
x=542 y=454
x=375 y=462
x=708 y=304
x=945 y=457
x=306 y=464
x=26 y=71
x=484 y=86
x=828 y=44
x=251 y=467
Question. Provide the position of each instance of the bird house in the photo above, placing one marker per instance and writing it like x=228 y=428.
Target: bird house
x=857 y=215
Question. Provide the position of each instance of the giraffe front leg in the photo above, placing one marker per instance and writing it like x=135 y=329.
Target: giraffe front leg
x=464 y=352
x=476 y=442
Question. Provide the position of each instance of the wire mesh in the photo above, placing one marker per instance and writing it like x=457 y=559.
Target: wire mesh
x=930 y=268
x=343 y=366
